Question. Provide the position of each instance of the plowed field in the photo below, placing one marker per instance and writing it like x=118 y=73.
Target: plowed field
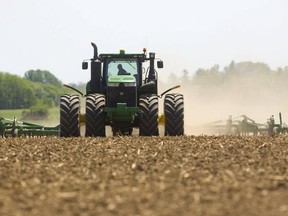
x=190 y=175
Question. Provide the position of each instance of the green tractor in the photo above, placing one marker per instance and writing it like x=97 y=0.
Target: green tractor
x=124 y=95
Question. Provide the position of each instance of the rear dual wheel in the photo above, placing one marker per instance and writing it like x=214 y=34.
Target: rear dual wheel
x=174 y=114
x=69 y=115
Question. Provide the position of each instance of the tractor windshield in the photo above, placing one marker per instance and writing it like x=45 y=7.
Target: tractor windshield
x=119 y=67
x=122 y=67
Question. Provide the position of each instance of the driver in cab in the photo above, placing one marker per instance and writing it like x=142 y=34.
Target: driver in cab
x=121 y=70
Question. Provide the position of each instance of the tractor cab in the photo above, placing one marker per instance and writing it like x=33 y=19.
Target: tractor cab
x=123 y=65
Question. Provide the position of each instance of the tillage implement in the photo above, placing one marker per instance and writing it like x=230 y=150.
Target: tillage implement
x=15 y=128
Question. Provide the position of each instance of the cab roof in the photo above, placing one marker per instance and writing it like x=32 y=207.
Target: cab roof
x=141 y=56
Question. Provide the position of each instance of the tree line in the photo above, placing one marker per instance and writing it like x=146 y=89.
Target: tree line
x=36 y=88
x=244 y=82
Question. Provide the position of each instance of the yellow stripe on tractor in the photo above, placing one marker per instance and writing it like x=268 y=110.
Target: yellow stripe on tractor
x=82 y=119
x=161 y=119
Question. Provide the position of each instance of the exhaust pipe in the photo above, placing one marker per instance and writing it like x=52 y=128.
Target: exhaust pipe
x=95 y=51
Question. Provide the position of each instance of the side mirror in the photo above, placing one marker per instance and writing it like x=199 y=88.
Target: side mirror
x=160 y=64
x=84 y=65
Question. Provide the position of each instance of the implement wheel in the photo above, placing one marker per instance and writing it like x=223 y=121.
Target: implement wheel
x=69 y=116
x=148 y=116
x=174 y=114
x=95 y=115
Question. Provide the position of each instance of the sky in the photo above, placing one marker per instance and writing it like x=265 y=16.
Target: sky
x=55 y=35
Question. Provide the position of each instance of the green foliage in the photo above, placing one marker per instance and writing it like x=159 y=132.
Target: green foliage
x=48 y=94
x=42 y=76
x=37 y=112
x=22 y=93
x=15 y=92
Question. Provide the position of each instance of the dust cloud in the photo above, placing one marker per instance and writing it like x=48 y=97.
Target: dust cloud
x=250 y=89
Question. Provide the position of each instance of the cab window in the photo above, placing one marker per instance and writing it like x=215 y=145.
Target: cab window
x=121 y=67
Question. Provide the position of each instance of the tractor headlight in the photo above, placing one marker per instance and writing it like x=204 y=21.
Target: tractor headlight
x=127 y=84
x=130 y=84
x=113 y=84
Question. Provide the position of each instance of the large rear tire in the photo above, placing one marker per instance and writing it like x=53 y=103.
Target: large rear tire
x=69 y=115
x=148 y=115
x=95 y=115
x=174 y=114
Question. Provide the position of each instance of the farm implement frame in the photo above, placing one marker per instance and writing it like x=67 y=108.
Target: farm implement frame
x=243 y=125
x=15 y=128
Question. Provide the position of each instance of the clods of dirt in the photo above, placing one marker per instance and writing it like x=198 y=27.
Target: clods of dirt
x=189 y=175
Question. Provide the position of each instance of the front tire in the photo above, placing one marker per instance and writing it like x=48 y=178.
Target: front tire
x=95 y=115
x=174 y=114
x=69 y=115
x=148 y=116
